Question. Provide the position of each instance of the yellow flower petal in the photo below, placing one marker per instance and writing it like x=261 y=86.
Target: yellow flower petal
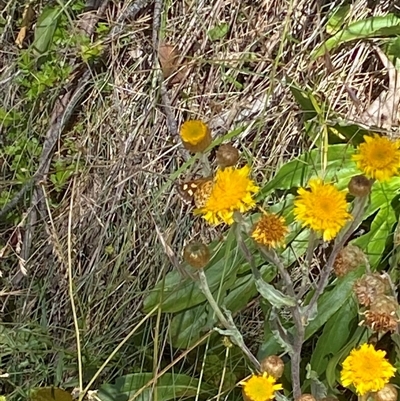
x=260 y=387
x=232 y=191
x=195 y=135
x=323 y=208
x=270 y=230
x=366 y=369
x=378 y=157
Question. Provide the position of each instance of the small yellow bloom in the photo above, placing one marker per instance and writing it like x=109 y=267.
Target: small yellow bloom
x=195 y=135
x=378 y=157
x=232 y=191
x=323 y=208
x=260 y=387
x=270 y=230
x=366 y=369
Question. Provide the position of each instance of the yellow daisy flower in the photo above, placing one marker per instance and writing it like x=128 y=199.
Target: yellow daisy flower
x=270 y=230
x=378 y=157
x=232 y=191
x=366 y=369
x=260 y=387
x=323 y=208
x=195 y=135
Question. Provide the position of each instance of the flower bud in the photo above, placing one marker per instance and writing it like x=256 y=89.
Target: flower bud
x=388 y=393
x=360 y=186
x=227 y=155
x=196 y=254
x=195 y=135
x=273 y=365
x=348 y=259
x=368 y=287
x=306 y=397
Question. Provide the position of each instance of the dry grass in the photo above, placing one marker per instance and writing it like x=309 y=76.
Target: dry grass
x=130 y=157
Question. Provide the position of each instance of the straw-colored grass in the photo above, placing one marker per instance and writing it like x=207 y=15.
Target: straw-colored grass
x=101 y=227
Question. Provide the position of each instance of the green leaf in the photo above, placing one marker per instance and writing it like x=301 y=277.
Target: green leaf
x=218 y=32
x=335 y=335
x=388 y=25
x=168 y=387
x=337 y=18
x=49 y=394
x=297 y=172
x=45 y=28
x=188 y=326
x=374 y=241
x=274 y=296
x=328 y=304
x=304 y=99
x=360 y=336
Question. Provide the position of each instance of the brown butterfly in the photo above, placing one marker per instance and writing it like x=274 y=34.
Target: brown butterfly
x=198 y=190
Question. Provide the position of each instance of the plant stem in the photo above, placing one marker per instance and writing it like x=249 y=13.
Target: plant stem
x=228 y=324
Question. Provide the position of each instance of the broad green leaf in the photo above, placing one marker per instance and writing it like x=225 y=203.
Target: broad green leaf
x=360 y=336
x=49 y=394
x=244 y=289
x=374 y=241
x=304 y=99
x=168 y=387
x=218 y=32
x=297 y=172
x=388 y=25
x=45 y=28
x=177 y=294
x=333 y=299
x=337 y=18
x=328 y=304
x=189 y=325
x=335 y=335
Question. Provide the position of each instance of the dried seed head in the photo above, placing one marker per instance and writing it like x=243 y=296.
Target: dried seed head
x=368 y=287
x=360 y=186
x=196 y=254
x=273 y=365
x=227 y=155
x=306 y=397
x=383 y=314
x=388 y=393
x=348 y=259
x=329 y=398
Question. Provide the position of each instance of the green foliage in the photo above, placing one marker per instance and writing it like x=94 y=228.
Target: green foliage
x=45 y=28
x=168 y=387
x=218 y=32
x=337 y=19
x=49 y=394
x=373 y=27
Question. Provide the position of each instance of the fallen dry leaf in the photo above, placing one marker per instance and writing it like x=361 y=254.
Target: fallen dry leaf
x=169 y=57
x=27 y=17
x=383 y=112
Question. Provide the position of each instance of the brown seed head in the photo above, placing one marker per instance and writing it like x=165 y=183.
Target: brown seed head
x=306 y=397
x=368 y=287
x=348 y=259
x=196 y=254
x=388 y=393
x=360 y=186
x=227 y=155
x=383 y=314
x=273 y=365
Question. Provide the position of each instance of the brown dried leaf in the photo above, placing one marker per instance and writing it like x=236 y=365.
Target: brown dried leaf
x=169 y=57
x=27 y=18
